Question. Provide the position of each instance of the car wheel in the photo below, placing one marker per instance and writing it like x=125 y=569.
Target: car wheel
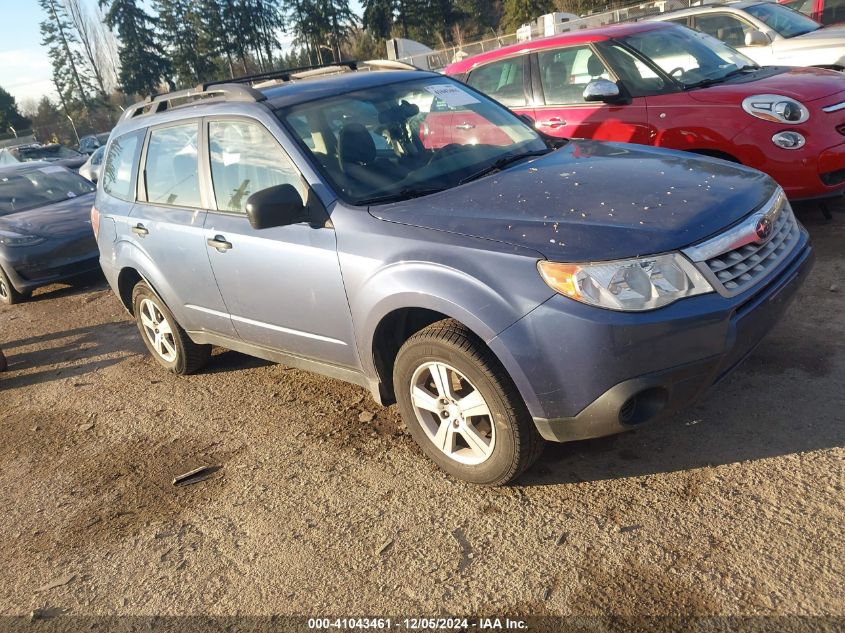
x=165 y=339
x=8 y=295
x=461 y=406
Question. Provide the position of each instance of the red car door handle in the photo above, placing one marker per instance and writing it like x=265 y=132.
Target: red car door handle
x=465 y=126
x=555 y=122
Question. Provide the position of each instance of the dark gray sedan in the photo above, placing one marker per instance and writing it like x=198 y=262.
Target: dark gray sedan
x=45 y=228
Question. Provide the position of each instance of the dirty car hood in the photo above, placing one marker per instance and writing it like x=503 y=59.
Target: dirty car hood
x=594 y=201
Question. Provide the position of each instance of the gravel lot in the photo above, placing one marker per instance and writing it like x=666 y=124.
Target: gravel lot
x=324 y=505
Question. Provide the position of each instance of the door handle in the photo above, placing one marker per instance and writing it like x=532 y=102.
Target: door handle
x=465 y=126
x=140 y=229
x=219 y=242
x=553 y=123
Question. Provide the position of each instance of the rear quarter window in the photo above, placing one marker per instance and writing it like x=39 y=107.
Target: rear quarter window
x=121 y=165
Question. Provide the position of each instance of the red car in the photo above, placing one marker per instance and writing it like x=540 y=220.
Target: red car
x=823 y=11
x=665 y=85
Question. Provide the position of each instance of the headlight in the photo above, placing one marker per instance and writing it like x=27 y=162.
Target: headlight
x=629 y=285
x=8 y=238
x=776 y=108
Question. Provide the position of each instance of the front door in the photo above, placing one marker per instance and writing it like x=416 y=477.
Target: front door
x=564 y=74
x=282 y=286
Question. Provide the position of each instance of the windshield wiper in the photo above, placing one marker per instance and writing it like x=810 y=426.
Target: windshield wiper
x=502 y=162
x=402 y=194
x=718 y=80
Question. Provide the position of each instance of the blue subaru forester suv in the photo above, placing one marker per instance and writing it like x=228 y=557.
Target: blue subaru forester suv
x=399 y=230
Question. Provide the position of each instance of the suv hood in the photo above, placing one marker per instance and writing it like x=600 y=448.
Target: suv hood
x=60 y=220
x=826 y=36
x=592 y=201
x=802 y=84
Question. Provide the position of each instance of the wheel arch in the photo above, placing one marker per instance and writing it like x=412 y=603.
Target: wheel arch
x=715 y=153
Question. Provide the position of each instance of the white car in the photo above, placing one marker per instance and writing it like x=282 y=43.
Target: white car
x=93 y=166
x=770 y=34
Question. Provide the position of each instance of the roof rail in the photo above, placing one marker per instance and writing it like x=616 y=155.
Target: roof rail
x=170 y=100
x=235 y=90
x=285 y=74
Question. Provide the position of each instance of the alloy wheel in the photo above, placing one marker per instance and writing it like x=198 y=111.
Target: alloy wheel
x=158 y=330
x=453 y=413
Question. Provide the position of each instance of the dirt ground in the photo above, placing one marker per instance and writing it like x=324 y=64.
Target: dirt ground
x=734 y=507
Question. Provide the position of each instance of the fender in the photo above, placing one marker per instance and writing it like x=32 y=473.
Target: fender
x=128 y=255
x=430 y=286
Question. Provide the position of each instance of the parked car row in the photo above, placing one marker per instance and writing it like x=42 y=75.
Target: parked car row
x=657 y=83
x=403 y=231
x=503 y=284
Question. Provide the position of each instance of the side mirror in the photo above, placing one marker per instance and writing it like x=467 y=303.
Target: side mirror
x=756 y=38
x=601 y=90
x=276 y=206
x=527 y=119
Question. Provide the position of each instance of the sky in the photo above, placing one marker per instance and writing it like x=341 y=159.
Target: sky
x=24 y=66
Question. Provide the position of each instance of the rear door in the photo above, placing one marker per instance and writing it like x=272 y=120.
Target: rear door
x=505 y=80
x=166 y=225
x=282 y=285
x=563 y=74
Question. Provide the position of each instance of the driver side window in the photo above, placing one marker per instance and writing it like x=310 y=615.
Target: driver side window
x=564 y=73
x=245 y=158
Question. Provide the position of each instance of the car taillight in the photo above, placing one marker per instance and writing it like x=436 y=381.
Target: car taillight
x=95 y=222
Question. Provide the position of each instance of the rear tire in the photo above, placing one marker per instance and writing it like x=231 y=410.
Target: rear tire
x=8 y=295
x=479 y=430
x=166 y=341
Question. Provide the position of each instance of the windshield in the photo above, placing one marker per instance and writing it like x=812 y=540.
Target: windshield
x=690 y=57
x=407 y=139
x=782 y=19
x=22 y=190
x=43 y=152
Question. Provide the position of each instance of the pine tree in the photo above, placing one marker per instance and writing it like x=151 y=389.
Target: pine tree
x=519 y=12
x=339 y=21
x=10 y=116
x=142 y=67
x=71 y=81
x=378 y=17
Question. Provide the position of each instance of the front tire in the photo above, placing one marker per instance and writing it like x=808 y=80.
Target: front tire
x=166 y=341
x=461 y=406
x=8 y=295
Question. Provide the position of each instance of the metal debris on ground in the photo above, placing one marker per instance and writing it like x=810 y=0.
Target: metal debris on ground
x=466 y=548
x=195 y=476
x=58 y=582
x=385 y=546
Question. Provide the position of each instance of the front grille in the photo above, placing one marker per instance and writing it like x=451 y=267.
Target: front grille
x=738 y=270
x=833 y=177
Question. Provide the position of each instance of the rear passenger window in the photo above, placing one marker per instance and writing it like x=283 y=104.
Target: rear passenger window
x=501 y=80
x=170 y=172
x=245 y=158
x=122 y=165
x=729 y=29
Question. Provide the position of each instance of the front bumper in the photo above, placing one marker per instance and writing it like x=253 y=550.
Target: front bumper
x=31 y=267
x=586 y=372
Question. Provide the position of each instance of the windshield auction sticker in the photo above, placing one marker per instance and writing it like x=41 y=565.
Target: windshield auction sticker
x=451 y=95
